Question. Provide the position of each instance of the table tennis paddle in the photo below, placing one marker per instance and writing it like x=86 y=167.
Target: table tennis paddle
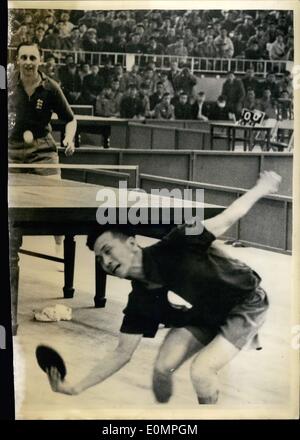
x=47 y=357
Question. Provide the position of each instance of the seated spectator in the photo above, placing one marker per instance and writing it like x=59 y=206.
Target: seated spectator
x=90 y=42
x=250 y=82
x=156 y=97
x=85 y=69
x=207 y=48
x=50 y=68
x=74 y=41
x=71 y=83
x=135 y=45
x=188 y=37
x=103 y=28
x=144 y=95
x=116 y=92
x=261 y=39
x=133 y=77
x=52 y=40
x=131 y=105
x=118 y=73
x=173 y=73
x=191 y=48
x=82 y=30
x=39 y=35
x=108 y=45
x=200 y=109
x=267 y=104
x=286 y=84
x=224 y=45
x=164 y=109
x=168 y=38
x=149 y=78
x=106 y=72
x=178 y=48
x=92 y=86
x=185 y=81
x=250 y=101
x=21 y=36
x=106 y=105
x=219 y=111
x=247 y=29
x=253 y=52
x=228 y=23
x=233 y=91
x=271 y=32
x=89 y=19
x=182 y=110
x=153 y=47
x=166 y=83
x=277 y=48
x=271 y=84
x=67 y=25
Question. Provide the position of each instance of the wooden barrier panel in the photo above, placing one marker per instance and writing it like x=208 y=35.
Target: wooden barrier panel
x=197 y=125
x=192 y=140
x=231 y=169
x=265 y=224
x=119 y=136
x=90 y=156
x=163 y=138
x=283 y=165
x=139 y=136
x=268 y=224
x=159 y=163
x=165 y=123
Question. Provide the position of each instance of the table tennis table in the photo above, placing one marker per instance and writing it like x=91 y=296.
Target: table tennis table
x=40 y=205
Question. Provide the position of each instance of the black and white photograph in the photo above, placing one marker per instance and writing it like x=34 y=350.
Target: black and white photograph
x=151 y=219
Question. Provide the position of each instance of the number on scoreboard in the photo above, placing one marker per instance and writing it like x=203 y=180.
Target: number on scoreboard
x=251 y=117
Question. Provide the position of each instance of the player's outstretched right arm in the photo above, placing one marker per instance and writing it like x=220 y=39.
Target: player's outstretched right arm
x=268 y=183
x=107 y=366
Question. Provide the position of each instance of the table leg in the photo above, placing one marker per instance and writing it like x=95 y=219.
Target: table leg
x=100 y=282
x=15 y=242
x=69 y=257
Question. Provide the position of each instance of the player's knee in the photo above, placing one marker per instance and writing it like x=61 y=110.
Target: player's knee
x=164 y=365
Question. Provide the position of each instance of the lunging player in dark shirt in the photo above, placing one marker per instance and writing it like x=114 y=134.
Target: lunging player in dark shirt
x=228 y=305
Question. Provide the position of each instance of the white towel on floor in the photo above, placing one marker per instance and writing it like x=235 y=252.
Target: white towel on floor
x=55 y=313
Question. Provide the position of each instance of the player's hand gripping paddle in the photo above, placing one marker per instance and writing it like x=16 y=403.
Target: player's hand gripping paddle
x=47 y=358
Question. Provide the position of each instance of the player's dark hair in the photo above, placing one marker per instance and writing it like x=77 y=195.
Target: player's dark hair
x=117 y=231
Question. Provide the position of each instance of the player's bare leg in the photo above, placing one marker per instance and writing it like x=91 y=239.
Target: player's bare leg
x=207 y=364
x=179 y=345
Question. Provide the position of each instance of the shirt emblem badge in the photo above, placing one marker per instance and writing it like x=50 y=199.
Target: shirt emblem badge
x=39 y=104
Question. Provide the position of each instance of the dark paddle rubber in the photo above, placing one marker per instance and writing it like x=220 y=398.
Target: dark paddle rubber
x=47 y=357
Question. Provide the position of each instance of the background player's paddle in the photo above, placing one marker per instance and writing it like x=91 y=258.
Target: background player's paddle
x=47 y=358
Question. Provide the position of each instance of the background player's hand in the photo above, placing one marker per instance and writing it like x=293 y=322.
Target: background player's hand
x=57 y=385
x=70 y=147
x=269 y=182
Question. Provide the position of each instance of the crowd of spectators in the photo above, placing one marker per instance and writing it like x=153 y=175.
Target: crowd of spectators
x=168 y=94
x=253 y=34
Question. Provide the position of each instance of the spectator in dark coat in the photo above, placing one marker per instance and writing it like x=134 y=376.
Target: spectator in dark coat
x=183 y=109
x=219 y=110
x=71 y=83
x=131 y=105
x=185 y=81
x=249 y=81
x=92 y=86
x=233 y=91
x=200 y=109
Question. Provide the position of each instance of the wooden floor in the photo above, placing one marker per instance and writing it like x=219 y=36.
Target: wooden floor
x=255 y=380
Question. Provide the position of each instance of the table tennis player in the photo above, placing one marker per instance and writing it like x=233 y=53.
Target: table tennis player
x=33 y=98
x=228 y=303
